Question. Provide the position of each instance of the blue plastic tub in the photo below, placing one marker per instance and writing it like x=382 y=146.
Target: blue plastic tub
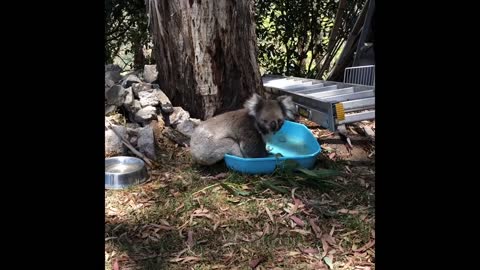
x=293 y=141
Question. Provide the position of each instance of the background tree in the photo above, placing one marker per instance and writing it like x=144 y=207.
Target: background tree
x=126 y=33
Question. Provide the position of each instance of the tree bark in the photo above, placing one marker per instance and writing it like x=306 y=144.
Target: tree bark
x=206 y=53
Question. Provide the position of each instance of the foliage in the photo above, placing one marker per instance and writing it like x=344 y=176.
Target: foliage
x=293 y=36
x=126 y=26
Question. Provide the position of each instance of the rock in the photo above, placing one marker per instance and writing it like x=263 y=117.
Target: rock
x=146 y=114
x=108 y=83
x=134 y=141
x=178 y=115
x=110 y=109
x=140 y=87
x=150 y=73
x=115 y=95
x=146 y=142
x=128 y=97
x=176 y=136
x=113 y=144
x=113 y=76
x=113 y=67
x=136 y=105
x=186 y=127
x=132 y=126
x=165 y=103
x=129 y=80
x=148 y=99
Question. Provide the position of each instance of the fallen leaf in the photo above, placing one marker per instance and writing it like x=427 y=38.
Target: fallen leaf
x=302 y=232
x=329 y=261
x=346 y=211
x=162 y=227
x=332 y=230
x=331 y=155
x=298 y=221
x=191 y=258
x=325 y=247
x=269 y=214
x=164 y=222
x=115 y=265
x=180 y=207
x=185 y=259
x=219 y=176
x=190 y=239
x=365 y=247
x=255 y=262
x=330 y=240
x=215 y=226
x=316 y=229
x=348 y=233
x=293 y=253
x=310 y=250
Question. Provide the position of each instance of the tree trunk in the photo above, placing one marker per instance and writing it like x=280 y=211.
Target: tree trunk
x=206 y=53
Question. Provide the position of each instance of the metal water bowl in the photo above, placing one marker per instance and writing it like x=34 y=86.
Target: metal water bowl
x=122 y=172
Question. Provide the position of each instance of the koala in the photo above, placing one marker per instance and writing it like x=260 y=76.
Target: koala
x=243 y=132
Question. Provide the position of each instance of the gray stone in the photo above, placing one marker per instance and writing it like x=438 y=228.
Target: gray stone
x=115 y=95
x=148 y=99
x=150 y=73
x=128 y=97
x=132 y=126
x=113 y=144
x=129 y=80
x=113 y=76
x=135 y=107
x=178 y=115
x=110 y=109
x=109 y=83
x=165 y=103
x=145 y=114
x=134 y=141
x=186 y=127
x=140 y=87
x=146 y=142
x=113 y=67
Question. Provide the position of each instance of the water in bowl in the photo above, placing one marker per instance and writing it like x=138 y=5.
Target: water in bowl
x=287 y=146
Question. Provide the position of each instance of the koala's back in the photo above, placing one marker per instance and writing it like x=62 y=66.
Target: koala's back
x=232 y=132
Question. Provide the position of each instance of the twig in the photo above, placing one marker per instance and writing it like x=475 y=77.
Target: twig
x=149 y=162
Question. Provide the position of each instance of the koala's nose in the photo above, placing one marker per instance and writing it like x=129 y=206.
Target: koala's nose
x=273 y=125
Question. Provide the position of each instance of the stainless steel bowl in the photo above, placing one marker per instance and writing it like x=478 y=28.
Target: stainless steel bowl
x=122 y=172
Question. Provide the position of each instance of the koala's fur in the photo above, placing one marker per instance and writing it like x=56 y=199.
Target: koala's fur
x=242 y=132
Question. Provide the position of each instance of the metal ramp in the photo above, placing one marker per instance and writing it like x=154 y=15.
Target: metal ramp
x=327 y=103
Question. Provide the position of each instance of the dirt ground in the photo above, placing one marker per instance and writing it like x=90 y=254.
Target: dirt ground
x=191 y=217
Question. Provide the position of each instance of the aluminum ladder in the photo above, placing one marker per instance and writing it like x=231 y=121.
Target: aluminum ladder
x=329 y=104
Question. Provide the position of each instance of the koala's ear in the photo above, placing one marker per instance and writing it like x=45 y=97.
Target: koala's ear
x=253 y=104
x=286 y=103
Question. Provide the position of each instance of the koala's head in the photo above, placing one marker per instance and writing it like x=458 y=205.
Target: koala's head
x=270 y=114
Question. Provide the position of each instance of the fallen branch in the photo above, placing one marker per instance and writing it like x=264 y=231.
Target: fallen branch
x=149 y=162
